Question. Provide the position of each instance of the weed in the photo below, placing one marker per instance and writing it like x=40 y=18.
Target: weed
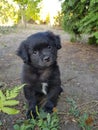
x=84 y=119
x=44 y=121
x=7 y=100
x=73 y=110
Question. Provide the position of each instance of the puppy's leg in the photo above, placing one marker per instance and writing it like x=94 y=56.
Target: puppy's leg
x=52 y=98
x=30 y=96
x=54 y=90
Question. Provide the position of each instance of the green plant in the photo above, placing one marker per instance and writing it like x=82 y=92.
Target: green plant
x=81 y=17
x=84 y=119
x=44 y=121
x=73 y=110
x=7 y=100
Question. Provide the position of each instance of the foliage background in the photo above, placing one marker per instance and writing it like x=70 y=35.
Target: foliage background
x=77 y=17
x=8 y=12
x=81 y=17
x=17 y=10
x=29 y=9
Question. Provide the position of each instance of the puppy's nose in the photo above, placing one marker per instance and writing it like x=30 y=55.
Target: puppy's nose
x=46 y=59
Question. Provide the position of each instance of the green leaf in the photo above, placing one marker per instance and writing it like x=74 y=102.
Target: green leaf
x=48 y=118
x=23 y=127
x=95 y=34
x=13 y=92
x=43 y=114
x=29 y=126
x=2 y=96
x=11 y=111
x=16 y=127
x=46 y=129
x=0 y=123
x=11 y=103
x=70 y=3
x=54 y=128
x=83 y=0
x=7 y=100
x=40 y=122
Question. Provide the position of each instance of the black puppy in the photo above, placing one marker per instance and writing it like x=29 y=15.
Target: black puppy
x=40 y=71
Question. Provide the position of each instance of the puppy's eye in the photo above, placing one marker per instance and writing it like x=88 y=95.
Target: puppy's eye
x=35 y=52
x=49 y=47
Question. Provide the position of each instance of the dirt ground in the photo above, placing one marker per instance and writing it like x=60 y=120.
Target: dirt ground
x=79 y=74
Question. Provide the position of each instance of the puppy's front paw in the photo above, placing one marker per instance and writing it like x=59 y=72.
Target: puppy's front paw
x=31 y=113
x=48 y=107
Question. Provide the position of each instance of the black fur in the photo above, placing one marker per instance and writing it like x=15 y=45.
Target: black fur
x=39 y=54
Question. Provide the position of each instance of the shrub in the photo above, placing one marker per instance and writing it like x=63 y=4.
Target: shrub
x=80 y=16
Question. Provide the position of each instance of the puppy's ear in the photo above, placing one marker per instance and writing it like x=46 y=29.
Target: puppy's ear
x=57 y=42
x=23 y=52
x=55 y=38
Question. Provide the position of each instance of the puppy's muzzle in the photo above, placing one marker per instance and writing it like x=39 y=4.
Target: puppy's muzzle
x=46 y=59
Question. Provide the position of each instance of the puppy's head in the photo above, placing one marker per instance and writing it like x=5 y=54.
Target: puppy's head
x=40 y=49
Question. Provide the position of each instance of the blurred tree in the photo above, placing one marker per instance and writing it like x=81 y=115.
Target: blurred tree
x=81 y=16
x=33 y=10
x=58 y=19
x=29 y=9
x=8 y=13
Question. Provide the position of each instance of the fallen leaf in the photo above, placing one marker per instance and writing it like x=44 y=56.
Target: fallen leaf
x=89 y=121
x=54 y=109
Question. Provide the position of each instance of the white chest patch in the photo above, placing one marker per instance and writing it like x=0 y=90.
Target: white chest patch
x=44 y=88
